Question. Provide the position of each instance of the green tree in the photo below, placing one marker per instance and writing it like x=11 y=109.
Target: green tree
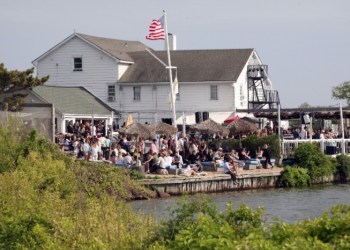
x=305 y=105
x=342 y=92
x=14 y=80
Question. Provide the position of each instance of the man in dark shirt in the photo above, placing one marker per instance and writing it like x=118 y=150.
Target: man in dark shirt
x=295 y=134
x=267 y=156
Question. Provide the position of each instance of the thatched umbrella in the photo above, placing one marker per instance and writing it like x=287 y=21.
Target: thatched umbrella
x=137 y=129
x=241 y=126
x=210 y=127
x=162 y=128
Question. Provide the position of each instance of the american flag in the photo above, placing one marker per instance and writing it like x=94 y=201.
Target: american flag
x=156 y=31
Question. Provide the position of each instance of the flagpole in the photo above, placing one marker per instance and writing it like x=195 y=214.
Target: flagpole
x=342 y=129
x=170 y=70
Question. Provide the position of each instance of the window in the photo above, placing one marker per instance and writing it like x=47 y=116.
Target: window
x=241 y=94
x=111 y=93
x=178 y=94
x=78 y=64
x=137 y=93
x=213 y=92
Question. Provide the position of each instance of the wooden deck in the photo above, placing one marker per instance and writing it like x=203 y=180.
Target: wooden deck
x=212 y=181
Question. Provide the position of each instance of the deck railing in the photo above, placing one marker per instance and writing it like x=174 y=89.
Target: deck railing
x=327 y=146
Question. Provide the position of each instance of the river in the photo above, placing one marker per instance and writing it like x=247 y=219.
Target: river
x=288 y=205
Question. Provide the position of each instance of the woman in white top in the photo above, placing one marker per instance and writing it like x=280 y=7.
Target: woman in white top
x=87 y=149
x=322 y=137
x=94 y=151
x=75 y=146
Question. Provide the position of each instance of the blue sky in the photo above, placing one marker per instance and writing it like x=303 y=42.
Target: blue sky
x=306 y=44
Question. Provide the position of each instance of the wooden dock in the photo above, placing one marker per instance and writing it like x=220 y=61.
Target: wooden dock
x=212 y=182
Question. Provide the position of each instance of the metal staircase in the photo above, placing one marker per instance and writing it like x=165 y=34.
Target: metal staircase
x=259 y=96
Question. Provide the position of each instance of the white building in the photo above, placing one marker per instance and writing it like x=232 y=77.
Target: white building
x=49 y=109
x=129 y=79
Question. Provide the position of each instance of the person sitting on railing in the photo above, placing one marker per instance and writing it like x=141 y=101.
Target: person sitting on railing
x=195 y=162
x=162 y=164
x=177 y=160
x=120 y=158
x=230 y=168
x=150 y=160
x=168 y=158
x=243 y=154
x=210 y=155
x=218 y=156
x=259 y=153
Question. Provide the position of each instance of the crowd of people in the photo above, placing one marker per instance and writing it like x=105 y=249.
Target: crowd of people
x=91 y=143
x=305 y=132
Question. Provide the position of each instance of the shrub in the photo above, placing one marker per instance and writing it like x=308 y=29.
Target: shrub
x=197 y=227
x=136 y=174
x=342 y=163
x=50 y=201
x=252 y=143
x=294 y=177
x=185 y=215
x=197 y=224
x=309 y=156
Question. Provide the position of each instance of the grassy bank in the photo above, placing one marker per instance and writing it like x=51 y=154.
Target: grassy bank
x=50 y=201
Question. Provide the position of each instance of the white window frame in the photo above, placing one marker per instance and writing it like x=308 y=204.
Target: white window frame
x=177 y=96
x=77 y=69
x=111 y=93
x=137 y=95
x=214 y=96
x=241 y=95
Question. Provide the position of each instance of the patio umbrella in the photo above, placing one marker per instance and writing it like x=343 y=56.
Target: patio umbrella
x=162 y=128
x=241 y=126
x=210 y=127
x=137 y=129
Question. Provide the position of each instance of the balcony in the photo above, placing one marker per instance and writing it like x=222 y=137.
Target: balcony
x=257 y=71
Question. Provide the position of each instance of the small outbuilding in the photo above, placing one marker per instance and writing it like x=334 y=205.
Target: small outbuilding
x=53 y=107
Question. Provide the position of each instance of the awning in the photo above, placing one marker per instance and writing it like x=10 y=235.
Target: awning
x=232 y=119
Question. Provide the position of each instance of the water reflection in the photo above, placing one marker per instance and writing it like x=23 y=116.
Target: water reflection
x=289 y=205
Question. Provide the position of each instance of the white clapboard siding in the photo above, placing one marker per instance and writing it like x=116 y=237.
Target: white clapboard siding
x=241 y=92
x=193 y=97
x=98 y=68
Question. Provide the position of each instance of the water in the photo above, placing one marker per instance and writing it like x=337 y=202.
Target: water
x=288 y=205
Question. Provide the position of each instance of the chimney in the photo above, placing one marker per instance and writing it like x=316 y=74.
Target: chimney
x=172 y=41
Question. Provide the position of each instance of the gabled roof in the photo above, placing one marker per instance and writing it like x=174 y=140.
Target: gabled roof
x=72 y=100
x=115 y=48
x=192 y=65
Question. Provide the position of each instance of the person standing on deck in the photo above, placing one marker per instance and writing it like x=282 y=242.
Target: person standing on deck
x=267 y=156
x=154 y=147
x=302 y=134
